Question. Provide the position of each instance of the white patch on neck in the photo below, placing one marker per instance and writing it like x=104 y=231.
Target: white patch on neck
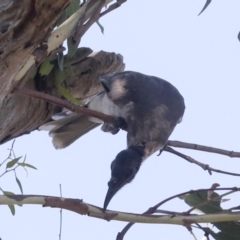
x=117 y=90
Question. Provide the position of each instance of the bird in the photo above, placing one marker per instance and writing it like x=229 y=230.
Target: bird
x=147 y=107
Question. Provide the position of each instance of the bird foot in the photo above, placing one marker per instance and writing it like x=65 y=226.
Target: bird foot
x=109 y=127
x=161 y=150
x=122 y=124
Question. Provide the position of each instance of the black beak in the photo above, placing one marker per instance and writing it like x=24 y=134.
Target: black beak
x=105 y=83
x=123 y=170
x=112 y=190
x=110 y=193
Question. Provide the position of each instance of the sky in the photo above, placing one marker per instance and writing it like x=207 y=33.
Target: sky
x=200 y=55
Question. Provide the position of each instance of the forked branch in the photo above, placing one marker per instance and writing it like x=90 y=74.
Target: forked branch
x=153 y=209
x=203 y=148
x=78 y=206
x=202 y=165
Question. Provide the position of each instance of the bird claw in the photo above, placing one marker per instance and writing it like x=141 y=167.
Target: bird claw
x=160 y=152
x=109 y=127
x=121 y=123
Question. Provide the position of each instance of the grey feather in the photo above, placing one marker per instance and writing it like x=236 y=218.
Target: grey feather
x=67 y=130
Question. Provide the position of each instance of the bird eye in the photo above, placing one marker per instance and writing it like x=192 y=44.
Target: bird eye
x=112 y=182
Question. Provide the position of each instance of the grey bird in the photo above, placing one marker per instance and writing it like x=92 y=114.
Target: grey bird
x=147 y=107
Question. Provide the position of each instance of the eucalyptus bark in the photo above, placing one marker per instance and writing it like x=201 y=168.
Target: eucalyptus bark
x=24 y=27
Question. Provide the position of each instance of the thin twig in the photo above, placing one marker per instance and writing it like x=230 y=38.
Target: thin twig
x=202 y=165
x=113 y=7
x=10 y=153
x=203 y=148
x=195 y=238
x=206 y=233
x=60 y=230
x=76 y=37
x=153 y=209
x=7 y=171
x=57 y=50
x=83 y=28
x=64 y=104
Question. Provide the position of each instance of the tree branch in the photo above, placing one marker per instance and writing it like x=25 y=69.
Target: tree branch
x=153 y=209
x=64 y=31
x=202 y=165
x=112 y=7
x=64 y=104
x=78 y=206
x=198 y=147
x=83 y=28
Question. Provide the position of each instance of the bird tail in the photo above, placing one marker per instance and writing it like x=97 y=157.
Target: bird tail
x=68 y=129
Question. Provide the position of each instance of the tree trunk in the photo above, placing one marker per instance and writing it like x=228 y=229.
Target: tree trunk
x=24 y=26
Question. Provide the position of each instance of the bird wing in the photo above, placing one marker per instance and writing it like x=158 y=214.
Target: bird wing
x=68 y=129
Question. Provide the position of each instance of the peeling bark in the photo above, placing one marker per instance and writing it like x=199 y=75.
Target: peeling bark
x=20 y=115
x=24 y=27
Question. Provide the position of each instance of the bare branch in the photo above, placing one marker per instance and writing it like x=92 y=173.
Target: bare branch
x=198 y=147
x=113 y=6
x=64 y=104
x=83 y=28
x=205 y=230
x=193 y=235
x=202 y=165
x=78 y=206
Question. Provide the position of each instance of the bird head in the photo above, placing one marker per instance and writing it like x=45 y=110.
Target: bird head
x=123 y=170
x=117 y=86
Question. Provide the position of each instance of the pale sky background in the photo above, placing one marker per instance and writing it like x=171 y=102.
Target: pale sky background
x=201 y=57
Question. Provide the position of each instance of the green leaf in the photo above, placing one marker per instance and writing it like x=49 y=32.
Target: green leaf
x=72 y=8
x=200 y=201
x=13 y=162
x=59 y=78
x=229 y=230
x=12 y=209
x=27 y=165
x=60 y=60
x=25 y=158
x=72 y=46
x=100 y=26
x=19 y=185
x=47 y=66
x=205 y=6
x=68 y=69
